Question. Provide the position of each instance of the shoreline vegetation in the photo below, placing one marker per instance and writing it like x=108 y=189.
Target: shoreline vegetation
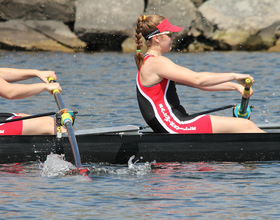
x=91 y=26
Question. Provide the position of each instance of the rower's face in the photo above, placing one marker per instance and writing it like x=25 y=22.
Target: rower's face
x=166 y=42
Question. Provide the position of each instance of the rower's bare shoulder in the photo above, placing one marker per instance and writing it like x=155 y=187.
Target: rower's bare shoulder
x=161 y=61
x=162 y=58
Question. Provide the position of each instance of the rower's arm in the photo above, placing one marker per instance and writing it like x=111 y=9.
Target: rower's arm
x=14 y=75
x=165 y=68
x=228 y=86
x=21 y=91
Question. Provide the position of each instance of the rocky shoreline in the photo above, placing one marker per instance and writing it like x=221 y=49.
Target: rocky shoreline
x=91 y=25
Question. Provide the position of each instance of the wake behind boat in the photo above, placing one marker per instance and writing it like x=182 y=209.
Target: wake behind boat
x=115 y=145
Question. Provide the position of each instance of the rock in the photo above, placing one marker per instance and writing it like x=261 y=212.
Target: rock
x=182 y=13
x=197 y=3
x=106 y=27
x=268 y=34
x=57 y=31
x=215 y=24
x=231 y=37
x=276 y=47
x=179 y=12
x=263 y=39
x=277 y=31
x=199 y=47
x=61 y=10
x=203 y=25
x=239 y=22
x=16 y=35
x=129 y=46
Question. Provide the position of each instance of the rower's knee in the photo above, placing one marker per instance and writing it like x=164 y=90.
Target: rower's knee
x=252 y=127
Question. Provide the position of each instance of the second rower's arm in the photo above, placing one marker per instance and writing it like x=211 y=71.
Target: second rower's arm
x=14 y=75
x=21 y=91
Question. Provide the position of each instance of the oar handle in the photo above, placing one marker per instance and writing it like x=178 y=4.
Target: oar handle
x=65 y=113
x=57 y=95
x=247 y=88
x=51 y=79
x=245 y=101
x=243 y=110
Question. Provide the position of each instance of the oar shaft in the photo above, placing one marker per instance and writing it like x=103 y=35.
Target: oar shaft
x=73 y=144
x=59 y=101
x=243 y=110
x=245 y=101
x=68 y=124
x=71 y=133
x=212 y=110
x=244 y=105
x=28 y=117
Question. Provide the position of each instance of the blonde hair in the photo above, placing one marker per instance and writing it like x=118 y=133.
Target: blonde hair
x=144 y=25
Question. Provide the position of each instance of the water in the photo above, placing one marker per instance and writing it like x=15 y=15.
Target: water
x=101 y=86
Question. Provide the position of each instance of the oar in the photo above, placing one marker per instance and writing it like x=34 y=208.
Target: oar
x=67 y=121
x=243 y=110
x=29 y=117
x=212 y=110
x=269 y=126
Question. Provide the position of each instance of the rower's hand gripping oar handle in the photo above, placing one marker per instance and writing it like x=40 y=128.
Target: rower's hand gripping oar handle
x=243 y=110
x=65 y=114
x=247 y=88
x=51 y=79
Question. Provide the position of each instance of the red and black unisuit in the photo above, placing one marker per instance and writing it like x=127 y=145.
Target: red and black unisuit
x=161 y=109
x=11 y=128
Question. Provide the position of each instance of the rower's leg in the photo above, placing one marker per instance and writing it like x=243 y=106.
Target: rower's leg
x=233 y=125
x=37 y=126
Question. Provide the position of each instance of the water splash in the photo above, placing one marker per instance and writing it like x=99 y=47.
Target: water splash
x=55 y=166
x=132 y=169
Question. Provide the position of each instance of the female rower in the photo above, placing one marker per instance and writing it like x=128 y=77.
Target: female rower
x=156 y=78
x=35 y=126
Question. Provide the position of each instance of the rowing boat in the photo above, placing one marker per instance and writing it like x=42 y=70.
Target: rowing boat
x=115 y=145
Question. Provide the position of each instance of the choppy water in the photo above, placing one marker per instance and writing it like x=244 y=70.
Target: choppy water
x=101 y=86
